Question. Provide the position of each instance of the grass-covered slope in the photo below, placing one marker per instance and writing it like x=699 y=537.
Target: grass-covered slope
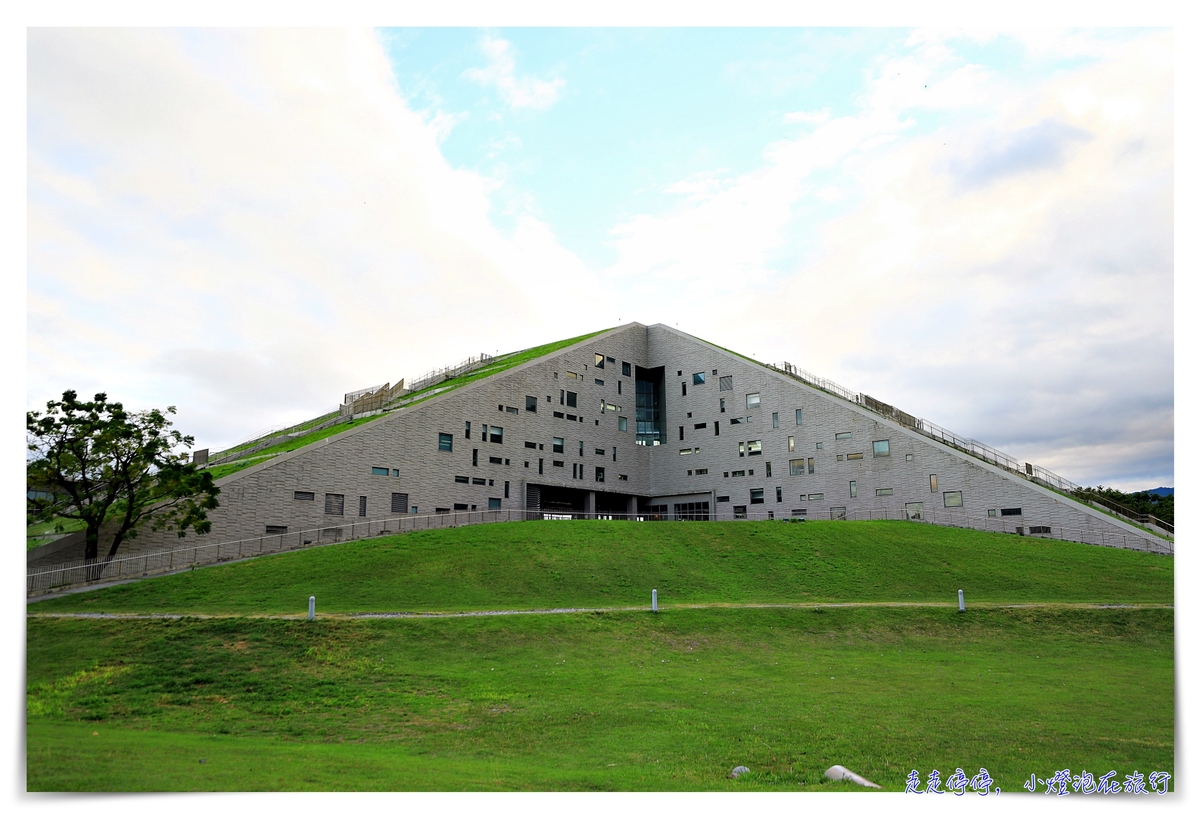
x=498 y=364
x=586 y=702
x=608 y=563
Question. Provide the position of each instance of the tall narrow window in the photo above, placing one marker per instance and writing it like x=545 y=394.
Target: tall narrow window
x=811 y=468
x=562 y=397
x=853 y=488
x=799 y=417
x=681 y=433
x=716 y=428
x=483 y=434
x=530 y=403
x=933 y=484
x=572 y=399
x=618 y=387
x=722 y=404
x=467 y=433
x=581 y=448
x=599 y=361
x=506 y=489
x=779 y=494
x=768 y=468
x=540 y=463
x=599 y=474
x=626 y=369
x=684 y=385
x=774 y=420
x=362 y=506
x=614 y=454
x=622 y=424
x=474 y=457
x=741 y=449
x=558 y=445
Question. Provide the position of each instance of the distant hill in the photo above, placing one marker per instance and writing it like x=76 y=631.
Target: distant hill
x=1162 y=491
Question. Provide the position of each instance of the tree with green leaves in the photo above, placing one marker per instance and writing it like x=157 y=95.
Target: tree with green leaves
x=94 y=462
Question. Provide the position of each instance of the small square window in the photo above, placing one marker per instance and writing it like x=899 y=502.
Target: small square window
x=991 y=512
x=881 y=448
x=756 y=496
x=599 y=361
x=335 y=504
x=953 y=499
x=445 y=442
x=752 y=400
x=726 y=383
x=697 y=378
x=908 y=457
x=753 y=447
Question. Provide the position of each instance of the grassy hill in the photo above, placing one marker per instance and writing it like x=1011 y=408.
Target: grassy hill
x=624 y=700
x=606 y=563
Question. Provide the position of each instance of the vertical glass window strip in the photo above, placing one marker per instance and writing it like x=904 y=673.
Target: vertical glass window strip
x=774 y=420
x=853 y=488
x=791 y=443
x=799 y=417
x=933 y=484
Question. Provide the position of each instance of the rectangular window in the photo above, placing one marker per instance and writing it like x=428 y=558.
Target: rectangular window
x=991 y=512
x=1039 y=529
x=614 y=454
x=572 y=399
x=441 y=511
x=768 y=468
x=623 y=477
x=560 y=464
x=722 y=404
x=774 y=420
x=842 y=436
x=820 y=446
x=840 y=458
x=799 y=512
x=883 y=492
x=460 y=506
x=741 y=449
x=497 y=435
x=681 y=433
x=837 y=513
x=724 y=498
x=530 y=403
x=933 y=484
x=752 y=400
x=1008 y=512
x=799 y=417
x=622 y=424
x=626 y=369
x=796 y=467
x=562 y=396
x=791 y=443
x=479 y=481
x=599 y=382
x=304 y=495
x=395 y=472
x=716 y=428
x=699 y=425
x=914 y=511
x=599 y=474
x=817 y=496
x=400 y=503
x=738 y=473
x=571 y=417
x=335 y=504
x=697 y=378
x=599 y=361
x=881 y=448
x=362 y=506
x=461 y=478
x=612 y=407
x=529 y=444
x=739 y=512
x=618 y=387
x=601 y=452
x=753 y=447
x=574 y=376
x=735 y=421
x=474 y=457
x=559 y=415
x=756 y=496
x=726 y=383
x=685 y=451
x=953 y=499
x=497 y=460
x=493 y=503
x=512 y=410
x=811 y=468
x=445 y=442
x=701 y=471
x=379 y=470
x=853 y=488
x=483 y=434
x=277 y=529
x=779 y=494
x=684 y=385
x=854 y=456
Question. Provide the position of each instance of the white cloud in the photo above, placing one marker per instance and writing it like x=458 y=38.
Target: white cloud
x=248 y=224
x=501 y=73
x=1008 y=275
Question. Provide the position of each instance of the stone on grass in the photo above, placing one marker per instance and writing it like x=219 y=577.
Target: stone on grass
x=738 y=770
x=839 y=773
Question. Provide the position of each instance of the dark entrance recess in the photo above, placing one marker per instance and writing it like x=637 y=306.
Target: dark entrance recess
x=573 y=501
x=649 y=406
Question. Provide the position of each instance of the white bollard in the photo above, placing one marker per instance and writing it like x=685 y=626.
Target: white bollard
x=312 y=607
x=961 y=607
x=654 y=600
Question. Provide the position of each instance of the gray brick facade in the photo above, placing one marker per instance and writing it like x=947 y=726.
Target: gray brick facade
x=707 y=453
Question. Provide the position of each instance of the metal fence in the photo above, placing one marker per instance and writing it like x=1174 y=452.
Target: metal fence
x=90 y=572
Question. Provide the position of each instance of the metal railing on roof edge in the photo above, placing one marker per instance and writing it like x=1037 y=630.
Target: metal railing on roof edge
x=982 y=451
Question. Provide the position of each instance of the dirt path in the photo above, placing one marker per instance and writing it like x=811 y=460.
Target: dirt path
x=551 y=611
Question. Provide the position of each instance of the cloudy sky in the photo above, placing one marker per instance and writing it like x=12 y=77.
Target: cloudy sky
x=976 y=227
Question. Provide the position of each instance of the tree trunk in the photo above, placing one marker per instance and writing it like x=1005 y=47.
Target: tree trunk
x=91 y=550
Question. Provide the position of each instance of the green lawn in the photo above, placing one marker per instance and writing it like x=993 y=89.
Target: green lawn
x=624 y=700
x=630 y=701
x=602 y=563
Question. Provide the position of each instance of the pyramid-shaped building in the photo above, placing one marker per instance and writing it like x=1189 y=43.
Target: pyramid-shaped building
x=644 y=421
